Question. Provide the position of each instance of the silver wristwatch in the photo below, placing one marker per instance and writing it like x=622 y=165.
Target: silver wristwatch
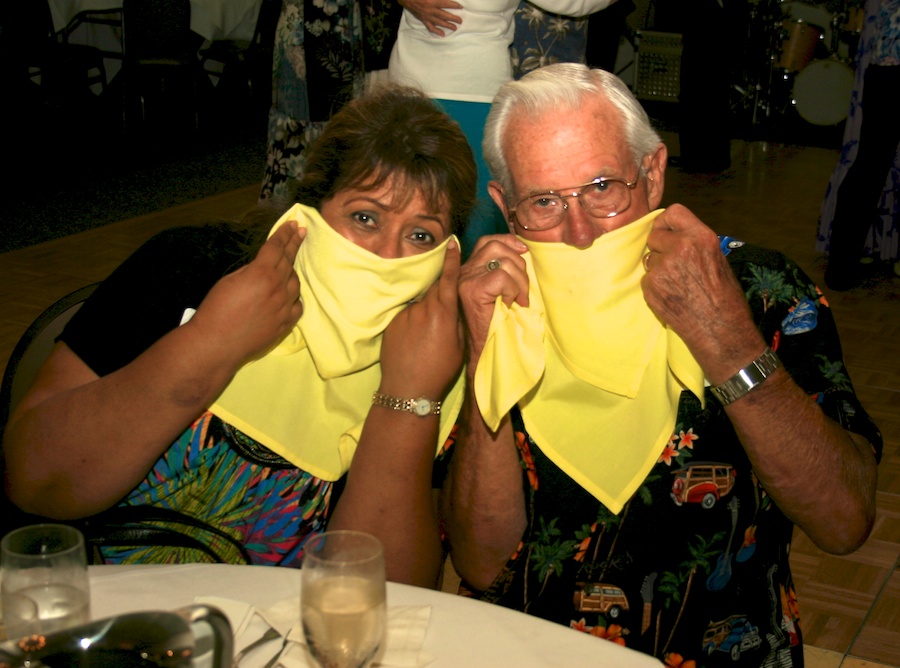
x=747 y=378
x=421 y=406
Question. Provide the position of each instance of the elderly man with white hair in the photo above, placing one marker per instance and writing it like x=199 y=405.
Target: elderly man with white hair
x=651 y=408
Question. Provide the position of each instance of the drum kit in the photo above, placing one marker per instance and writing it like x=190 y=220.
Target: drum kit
x=799 y=61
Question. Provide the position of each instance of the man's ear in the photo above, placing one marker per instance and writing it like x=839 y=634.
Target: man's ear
x=656 y=176
x=498 y=194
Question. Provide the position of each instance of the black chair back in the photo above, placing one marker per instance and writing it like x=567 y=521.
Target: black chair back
x=161 y=70
x=156 y=30
x=30 y=353
x=33 y=349
x=266 y=23
x=36 y=27
x=32 y=51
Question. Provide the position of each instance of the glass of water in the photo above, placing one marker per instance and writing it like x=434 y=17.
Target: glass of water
x=18 y=617
x=46 y=564
x=342 y=598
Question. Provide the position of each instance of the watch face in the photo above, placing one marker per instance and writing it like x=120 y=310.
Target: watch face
x=422 y=406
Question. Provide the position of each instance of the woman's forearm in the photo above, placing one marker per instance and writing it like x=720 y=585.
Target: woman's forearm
x=78 y=443
x=389 y=494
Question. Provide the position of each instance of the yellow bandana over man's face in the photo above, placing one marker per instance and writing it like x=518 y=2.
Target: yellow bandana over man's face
x=596 y=375
x=307 y=399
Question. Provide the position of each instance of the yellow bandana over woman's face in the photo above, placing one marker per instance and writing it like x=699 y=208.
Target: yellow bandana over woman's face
x=307 y=399
x=596 y=375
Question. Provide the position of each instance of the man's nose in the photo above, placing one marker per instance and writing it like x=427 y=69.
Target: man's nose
x=581 y=229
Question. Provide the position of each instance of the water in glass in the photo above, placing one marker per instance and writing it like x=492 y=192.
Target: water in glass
x=343 y=605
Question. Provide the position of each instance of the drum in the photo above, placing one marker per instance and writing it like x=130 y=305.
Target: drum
x=848 y=35
x=799 y=41
x=814 y=15
x=853 y=21
x=821 y=93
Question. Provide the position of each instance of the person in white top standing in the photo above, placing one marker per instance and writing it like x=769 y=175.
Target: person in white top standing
x=459 y=56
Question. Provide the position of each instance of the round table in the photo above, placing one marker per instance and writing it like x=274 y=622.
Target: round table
x=461 y=631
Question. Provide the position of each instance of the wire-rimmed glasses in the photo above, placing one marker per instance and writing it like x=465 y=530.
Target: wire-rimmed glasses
x=603 y=197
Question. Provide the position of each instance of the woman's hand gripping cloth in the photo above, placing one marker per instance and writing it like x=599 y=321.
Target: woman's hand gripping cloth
x=307 y=398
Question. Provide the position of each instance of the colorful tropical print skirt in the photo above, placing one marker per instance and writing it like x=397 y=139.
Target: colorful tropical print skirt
x=236 y=497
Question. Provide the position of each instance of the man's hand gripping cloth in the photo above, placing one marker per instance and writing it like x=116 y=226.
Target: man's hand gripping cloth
x=596 y=375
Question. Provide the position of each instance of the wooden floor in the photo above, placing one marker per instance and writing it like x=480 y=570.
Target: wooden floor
x=850 y=606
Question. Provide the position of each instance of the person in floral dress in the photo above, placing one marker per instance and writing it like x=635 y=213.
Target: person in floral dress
x=323 y=48
x=861 y=209
x=652 y=408
x=246 y=386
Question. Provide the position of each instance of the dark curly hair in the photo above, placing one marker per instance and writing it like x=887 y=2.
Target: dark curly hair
x=391 y=133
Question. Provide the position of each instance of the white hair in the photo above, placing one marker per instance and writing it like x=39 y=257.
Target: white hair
x=561 y=87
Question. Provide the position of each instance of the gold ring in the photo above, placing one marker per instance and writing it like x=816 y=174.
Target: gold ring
x=493 y=264
x=646 y=261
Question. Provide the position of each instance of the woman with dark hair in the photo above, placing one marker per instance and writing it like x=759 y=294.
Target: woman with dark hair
x=235 y=393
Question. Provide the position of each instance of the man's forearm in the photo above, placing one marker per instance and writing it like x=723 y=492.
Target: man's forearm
x=483 y=500
x=820 y=476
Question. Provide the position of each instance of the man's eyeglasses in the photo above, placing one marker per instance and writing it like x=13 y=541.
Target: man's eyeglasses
x=601 y=198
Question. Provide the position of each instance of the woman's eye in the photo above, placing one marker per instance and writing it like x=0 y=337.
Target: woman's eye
x=363 y=218
x=422 y=237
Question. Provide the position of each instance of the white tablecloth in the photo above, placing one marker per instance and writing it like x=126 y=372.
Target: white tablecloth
x=213 y=19
x=461 y=632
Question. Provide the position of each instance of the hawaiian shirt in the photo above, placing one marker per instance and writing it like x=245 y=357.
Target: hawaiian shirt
x=886 y=49
x=542 y=38
x=694 y=570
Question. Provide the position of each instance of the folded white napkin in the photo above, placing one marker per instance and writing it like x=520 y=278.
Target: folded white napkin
x=406 y=627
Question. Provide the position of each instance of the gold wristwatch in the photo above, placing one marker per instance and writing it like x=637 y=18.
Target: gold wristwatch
x=422 y=406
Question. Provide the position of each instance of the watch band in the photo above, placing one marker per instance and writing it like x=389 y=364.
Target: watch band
x=747 y=378
x=421 y=406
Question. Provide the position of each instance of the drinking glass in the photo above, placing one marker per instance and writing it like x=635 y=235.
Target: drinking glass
x=47 y=564
x=18 y=617
x=342 y=598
